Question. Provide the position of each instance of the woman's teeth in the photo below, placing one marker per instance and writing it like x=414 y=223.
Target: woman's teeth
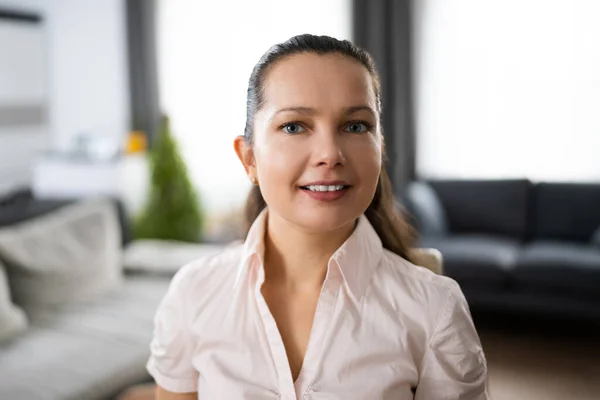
x=324 y=188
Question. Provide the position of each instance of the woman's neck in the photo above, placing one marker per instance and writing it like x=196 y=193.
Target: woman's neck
x=296 y=260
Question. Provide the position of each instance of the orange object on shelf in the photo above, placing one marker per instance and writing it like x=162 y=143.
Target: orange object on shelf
x=136 y=142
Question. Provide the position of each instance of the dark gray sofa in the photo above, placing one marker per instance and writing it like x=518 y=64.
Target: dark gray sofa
x=513 y=244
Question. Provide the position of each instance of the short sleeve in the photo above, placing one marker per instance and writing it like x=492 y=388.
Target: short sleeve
x=172 y=346
x=454 y=366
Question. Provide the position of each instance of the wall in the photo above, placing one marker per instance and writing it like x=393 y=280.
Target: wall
x=87 y=73
x=23 y=99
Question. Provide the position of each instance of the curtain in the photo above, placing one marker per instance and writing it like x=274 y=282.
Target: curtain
x=384 y=29
x=143 y=74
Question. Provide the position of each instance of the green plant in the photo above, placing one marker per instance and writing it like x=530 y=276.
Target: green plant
x=173 y=210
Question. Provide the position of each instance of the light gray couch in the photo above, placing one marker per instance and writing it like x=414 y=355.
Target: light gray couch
x=78 y=343
x=88 y=350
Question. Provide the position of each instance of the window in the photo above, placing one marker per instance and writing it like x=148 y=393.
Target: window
x=508 y=89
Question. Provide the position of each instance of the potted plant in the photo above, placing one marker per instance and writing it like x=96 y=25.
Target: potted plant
x=173 y=210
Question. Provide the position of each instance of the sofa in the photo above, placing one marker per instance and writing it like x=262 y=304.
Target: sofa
x=515 y=245
x=73 y=323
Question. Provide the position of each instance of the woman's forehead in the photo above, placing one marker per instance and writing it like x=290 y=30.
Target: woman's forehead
x=318 y=81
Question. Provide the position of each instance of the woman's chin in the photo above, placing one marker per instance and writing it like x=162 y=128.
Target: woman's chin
x=321 y=221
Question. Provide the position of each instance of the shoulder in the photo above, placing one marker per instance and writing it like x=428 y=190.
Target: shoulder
x=205 y=275
x=425 y=289
x=416 y=275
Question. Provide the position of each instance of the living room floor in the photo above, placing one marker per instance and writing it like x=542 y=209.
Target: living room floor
x=540 y=359
x=528 y=359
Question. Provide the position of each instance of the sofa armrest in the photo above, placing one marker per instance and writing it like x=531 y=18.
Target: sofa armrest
x=426 y=208
x=596 y=238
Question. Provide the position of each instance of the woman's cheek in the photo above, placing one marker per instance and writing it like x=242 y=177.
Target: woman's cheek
x=276 y=161
x=366 y=151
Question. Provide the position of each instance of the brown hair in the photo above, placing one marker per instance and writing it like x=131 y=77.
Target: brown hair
x=395 y=233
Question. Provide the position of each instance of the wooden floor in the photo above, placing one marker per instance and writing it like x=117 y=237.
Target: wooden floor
x=541 y=360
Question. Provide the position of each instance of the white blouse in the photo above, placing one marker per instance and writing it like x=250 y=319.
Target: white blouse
x=383 y=329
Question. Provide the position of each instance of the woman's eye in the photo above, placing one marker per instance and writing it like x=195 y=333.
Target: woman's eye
x=357 y=127
x=293 y=128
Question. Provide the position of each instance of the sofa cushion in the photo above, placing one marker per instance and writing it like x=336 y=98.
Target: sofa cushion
x=431 y=259
x=566 y=211
x=89 y=350
x=596 y=238
x=485 y=260
x=164 y=257
x=424 y=205
x=556 y=266
x=70 y=254
x=21 y=205
x=13 y=320
x=498 y=207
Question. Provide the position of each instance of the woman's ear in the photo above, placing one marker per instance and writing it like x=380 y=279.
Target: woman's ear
x=244 y=151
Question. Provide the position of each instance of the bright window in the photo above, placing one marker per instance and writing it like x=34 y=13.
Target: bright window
x=508 y=88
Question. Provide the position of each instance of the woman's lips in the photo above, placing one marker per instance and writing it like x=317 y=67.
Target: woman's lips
x=326 y=196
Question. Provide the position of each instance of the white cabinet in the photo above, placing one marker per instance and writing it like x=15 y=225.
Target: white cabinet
x=126 y=178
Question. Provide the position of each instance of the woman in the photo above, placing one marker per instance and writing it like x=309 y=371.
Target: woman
x=321 y=301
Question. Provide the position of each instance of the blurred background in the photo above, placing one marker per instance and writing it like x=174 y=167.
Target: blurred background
x=117 y=120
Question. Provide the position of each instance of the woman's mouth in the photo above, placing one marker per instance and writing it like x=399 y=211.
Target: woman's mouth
x=325 y=192
x=323 y=188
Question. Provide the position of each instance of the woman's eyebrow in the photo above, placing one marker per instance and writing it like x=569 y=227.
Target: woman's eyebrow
x=299 y=110
x=355 y=109
x=312 y=111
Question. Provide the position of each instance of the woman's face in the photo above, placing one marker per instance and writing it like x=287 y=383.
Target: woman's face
x=317 y=145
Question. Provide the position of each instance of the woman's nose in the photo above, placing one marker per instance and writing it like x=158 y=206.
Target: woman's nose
x=328 y=148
